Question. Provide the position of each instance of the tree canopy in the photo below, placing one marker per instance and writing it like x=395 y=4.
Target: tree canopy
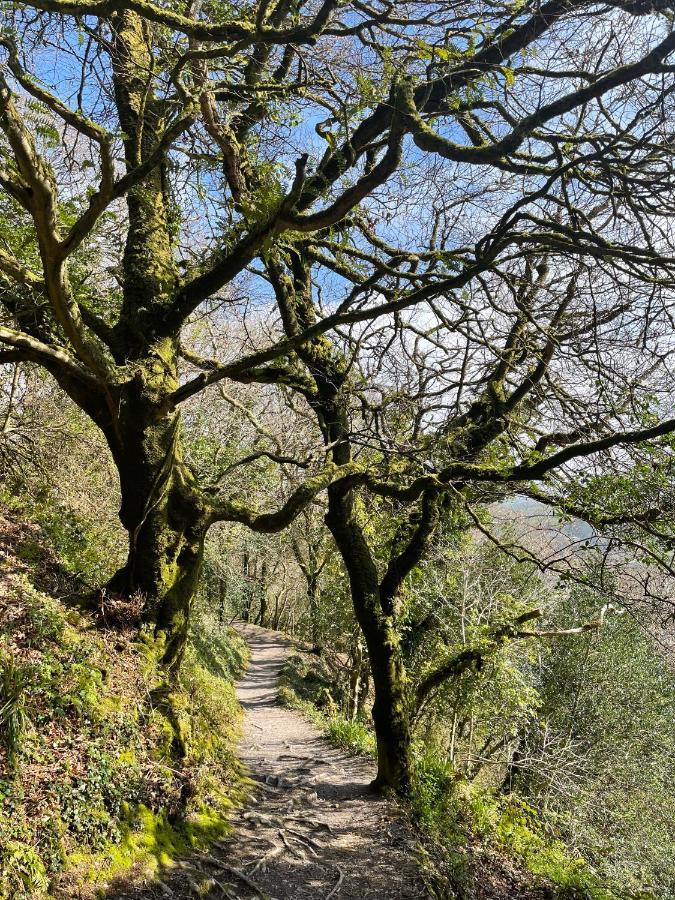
x=439 y=235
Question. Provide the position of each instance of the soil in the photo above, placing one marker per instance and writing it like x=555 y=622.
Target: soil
x=311 y=828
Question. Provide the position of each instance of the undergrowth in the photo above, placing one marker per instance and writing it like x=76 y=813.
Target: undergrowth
x=461 y=816
x=103 y=767
x=306 y=685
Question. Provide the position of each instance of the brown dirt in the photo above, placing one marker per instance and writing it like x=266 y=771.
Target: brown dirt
x=310 y=828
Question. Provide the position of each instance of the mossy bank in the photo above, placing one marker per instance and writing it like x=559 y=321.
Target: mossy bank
x=106 y=768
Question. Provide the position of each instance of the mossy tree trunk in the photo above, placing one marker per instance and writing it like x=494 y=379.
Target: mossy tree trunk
x=374 y=597
x=162 y=509
x=391 y=705
x=166 y=519
x=262 y=612
x=310 y=564
x=374 y=612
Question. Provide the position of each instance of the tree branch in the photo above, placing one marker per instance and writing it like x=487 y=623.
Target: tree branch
x=34 y=350
x=235 y=511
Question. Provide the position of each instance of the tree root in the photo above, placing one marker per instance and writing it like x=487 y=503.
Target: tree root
x=341 y=878
x=260 y=819
x=297 y=853
x=311 y=845
x=261 y=865
x=237 y=873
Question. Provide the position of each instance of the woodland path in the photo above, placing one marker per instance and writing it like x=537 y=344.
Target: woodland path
x=310 y=829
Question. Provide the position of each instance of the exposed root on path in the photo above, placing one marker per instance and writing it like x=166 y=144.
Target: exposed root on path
x=341 y=878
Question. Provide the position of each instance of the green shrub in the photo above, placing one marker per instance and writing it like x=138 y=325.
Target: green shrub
x=433 y=781
x=352 y=736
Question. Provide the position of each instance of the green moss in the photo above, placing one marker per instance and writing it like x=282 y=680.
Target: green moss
x=206 y=825
x=127 y=758
x=164 y=735
x=119 y=799
x=150 y=842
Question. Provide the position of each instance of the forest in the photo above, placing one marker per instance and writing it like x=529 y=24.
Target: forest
x=337 y=432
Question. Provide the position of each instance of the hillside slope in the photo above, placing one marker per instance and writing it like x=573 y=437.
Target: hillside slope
x=104 y=768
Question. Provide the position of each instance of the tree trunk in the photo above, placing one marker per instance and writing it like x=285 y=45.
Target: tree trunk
x=354 y=682
x=358 y=681
x=313 y=600
x=247 y=592
x=330 y=371
x=262 y=616
x=390 y=709
x=277 y=612
x=364 y=689
x=165 y=517
x=162 y=508
x=222 y=595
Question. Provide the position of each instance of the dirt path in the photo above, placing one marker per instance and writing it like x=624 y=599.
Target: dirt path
x=328 y=832
x=310 y=829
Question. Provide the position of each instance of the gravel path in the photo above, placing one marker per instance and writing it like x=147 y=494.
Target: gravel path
x=310 y=828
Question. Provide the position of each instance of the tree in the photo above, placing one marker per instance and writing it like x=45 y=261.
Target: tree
x=122 y=373
x=469 y=256
x=312 y=552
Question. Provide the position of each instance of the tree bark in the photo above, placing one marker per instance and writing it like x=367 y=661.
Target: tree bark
x=390 y=709
x=390 y=713
x=162 y=510
x=222 y=596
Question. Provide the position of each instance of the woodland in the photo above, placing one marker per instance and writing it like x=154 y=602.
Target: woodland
x=353 y=320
